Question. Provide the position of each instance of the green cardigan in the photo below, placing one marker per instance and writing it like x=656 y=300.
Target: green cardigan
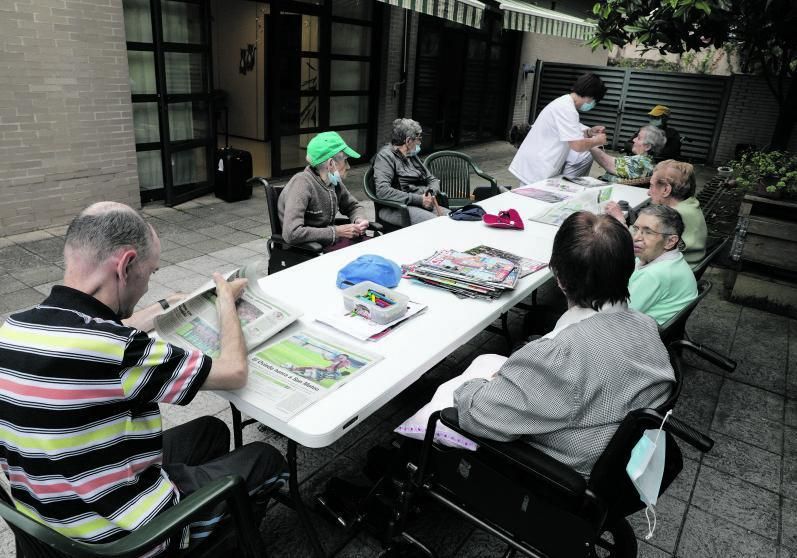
x=663 y=287
x=694 y=230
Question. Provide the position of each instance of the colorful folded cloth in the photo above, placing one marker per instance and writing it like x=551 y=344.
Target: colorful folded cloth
x=508 y=219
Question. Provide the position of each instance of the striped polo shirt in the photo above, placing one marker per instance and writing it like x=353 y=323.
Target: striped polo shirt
x=80 y=428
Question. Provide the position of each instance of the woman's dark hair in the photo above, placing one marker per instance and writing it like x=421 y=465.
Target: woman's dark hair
x=593 y=258
x=589 y=85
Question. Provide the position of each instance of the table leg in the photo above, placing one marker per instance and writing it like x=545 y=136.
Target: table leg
x=298 y=504
x=237 y=427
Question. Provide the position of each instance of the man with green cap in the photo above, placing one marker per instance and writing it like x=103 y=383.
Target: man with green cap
x=311 y=199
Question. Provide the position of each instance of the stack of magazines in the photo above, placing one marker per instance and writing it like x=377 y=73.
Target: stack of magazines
x=467 y=274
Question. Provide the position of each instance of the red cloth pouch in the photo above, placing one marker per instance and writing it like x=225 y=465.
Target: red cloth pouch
x=509 y=219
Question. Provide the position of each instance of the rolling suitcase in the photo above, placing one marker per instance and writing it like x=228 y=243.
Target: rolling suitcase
x=233 y=171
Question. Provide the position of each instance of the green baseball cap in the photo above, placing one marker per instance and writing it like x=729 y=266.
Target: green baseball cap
x=326 y=145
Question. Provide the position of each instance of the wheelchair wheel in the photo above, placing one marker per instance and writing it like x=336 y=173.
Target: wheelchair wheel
x=617 y=541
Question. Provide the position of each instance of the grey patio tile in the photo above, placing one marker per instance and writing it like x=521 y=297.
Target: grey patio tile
x=709 y=536
x=259 y=245
x=760 y=349
x=791 y=388
x=789 y=483
x=481 y=544
x=167 y=274
x=218 y=232
x=9 y=284
x=184 y=237
x=359 y=547
x=190 y=283
x=698 y=402
x=29 y=236
x=167 y=228
x=15 y=258
x=744 y=461
x=167 y=245
x=786 y=553
x=207 y=245
x=155 y=293
x=737 y=501
x=681 y=487
x=179 y=254
x=5 y=242
x=60 y=230
x=234 y=255
x=188 y=205
x=645 y=550
x=51 y=249
x=204 y=404
x=240 y=237
x=713 y=323
x=47 y=287
x=39 y=275
x=791 y=412
x=789 y=523
x=750 y=414
x=669 y=517
x=441 y=530
x=204 y=265
x=7 y=541
x=245 y=223
x=20 y=300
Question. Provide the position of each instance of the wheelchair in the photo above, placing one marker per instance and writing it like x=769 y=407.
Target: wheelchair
x=538 y=506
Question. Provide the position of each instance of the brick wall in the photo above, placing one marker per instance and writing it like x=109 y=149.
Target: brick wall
x=66 y=128
x=549 y=49
x=749 y=118
x=391 y=70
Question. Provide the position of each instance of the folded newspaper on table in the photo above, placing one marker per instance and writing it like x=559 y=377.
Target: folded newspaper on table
x=194 y=323
x=466 y=275
x=288 y=375
x=558 y=189
x=589 y=200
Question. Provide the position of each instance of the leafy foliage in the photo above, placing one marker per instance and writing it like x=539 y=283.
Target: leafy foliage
x=773 y=171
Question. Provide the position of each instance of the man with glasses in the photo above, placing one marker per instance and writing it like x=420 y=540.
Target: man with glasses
x=312 y=198
x=663 y=283
x=400 y=176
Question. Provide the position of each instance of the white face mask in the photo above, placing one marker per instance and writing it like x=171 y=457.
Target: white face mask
x=334 y=177
x=645 y=468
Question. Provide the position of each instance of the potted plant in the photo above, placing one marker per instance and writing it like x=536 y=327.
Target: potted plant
x=766 y=173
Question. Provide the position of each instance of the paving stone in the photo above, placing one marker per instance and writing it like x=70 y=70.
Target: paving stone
x=245 y=224
x=744 y=461
x=51 y=249
x=697 y=403
x=737 y=501
x=185 y=237
x=218 y=232
x=791 y=412
x=45 y=288
x=209 y=245
x=240 y=237
x=259 y=245
x=751 y=415
x=60 y=230
x=791 y=388
x=155 y=293
x=789 y=523
x=709 y=536
x=167 y=274
x=669 y=517
x=178 y=255
x=28 y=236
x=760 y=349
x=681 y=487
x=40 y=275
x=235 y=255
x=789 y=483
x=15 y=258
x=204 y=265
x=645 y=550
x=481 y=544
x=20 y=300
x=9 y=284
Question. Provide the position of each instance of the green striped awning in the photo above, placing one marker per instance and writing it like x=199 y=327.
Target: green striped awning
x=466 y=12
x=520 y=16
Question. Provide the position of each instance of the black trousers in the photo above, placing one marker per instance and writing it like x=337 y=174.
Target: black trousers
x=198 y=452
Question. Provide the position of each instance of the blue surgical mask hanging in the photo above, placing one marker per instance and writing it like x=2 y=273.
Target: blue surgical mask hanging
x=334 y=177
x=417 y=149
x=645 y=468
x=586 y=107
x=655 y=122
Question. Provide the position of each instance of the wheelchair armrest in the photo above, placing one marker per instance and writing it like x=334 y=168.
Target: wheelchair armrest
x=527 y=458
x=693 y=437
x=376 y=227
x=705 y=352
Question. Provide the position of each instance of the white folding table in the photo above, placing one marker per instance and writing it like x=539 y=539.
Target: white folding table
x=417 y=346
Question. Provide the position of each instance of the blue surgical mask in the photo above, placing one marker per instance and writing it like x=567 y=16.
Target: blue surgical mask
x=645 y=468
x=655 y=122
x=417 y=149
x=334 y=178
x=586 y=107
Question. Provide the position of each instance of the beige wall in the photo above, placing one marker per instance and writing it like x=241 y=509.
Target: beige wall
x=548 y=49
x=66 y=126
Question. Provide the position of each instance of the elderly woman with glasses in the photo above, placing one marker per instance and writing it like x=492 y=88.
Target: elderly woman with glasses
x=662 y=283
x=400 y=176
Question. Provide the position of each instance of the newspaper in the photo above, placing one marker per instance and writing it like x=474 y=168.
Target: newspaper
x=289 y=375
x=194 y=323
x=588 y=200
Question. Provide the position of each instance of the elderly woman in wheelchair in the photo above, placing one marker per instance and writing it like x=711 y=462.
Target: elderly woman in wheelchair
x=555 y=423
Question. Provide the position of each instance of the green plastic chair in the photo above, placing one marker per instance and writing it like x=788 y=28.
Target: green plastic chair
x=370 y=190
x=454 y=170
x=35 y=540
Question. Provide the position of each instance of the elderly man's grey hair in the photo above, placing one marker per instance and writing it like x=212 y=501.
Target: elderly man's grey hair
x=669 y=219
x=405 y=129
x=655 y=138
x=685 y=185
x=104 y=227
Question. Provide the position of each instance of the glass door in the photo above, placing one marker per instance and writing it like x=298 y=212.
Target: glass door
x=168 y=57
x=320 y=76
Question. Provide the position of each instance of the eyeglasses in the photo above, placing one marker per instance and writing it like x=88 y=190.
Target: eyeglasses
x=646 y=232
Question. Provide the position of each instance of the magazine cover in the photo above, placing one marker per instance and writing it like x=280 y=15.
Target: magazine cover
x=527 y=265
x=476 y=267
x=300 y=369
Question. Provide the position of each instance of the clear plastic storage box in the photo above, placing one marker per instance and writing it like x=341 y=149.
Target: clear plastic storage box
x=375 y=302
